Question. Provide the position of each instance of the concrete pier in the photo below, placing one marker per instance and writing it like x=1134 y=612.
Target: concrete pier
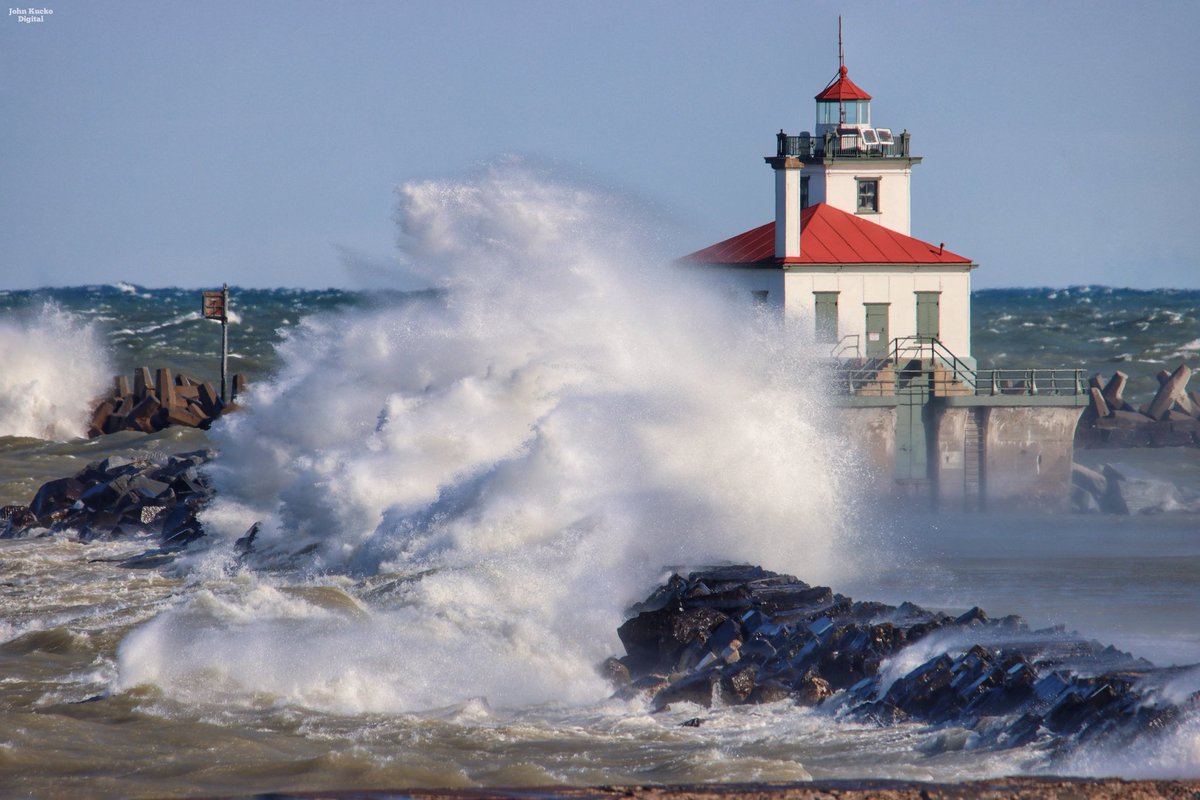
x=962 y=443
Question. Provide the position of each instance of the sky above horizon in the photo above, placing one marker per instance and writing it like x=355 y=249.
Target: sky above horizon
x=261 y=143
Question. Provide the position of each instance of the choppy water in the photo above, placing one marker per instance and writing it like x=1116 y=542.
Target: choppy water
x=462 y=490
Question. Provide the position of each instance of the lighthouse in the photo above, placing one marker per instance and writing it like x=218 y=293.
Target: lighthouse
x=890 y=316
x=839 y=258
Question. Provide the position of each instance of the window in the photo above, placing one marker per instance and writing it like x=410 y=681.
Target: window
x=804 y=190
x=868 y=195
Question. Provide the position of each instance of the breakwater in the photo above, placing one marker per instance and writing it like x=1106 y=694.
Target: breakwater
x=1170 y=419
x=169 y=399
x=741 y=634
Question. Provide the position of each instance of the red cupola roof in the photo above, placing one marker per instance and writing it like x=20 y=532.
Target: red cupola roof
x=842 y=88
x=828 y=235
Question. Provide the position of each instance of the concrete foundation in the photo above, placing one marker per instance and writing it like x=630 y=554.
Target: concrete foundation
x=998 y=452
x=872 y=429
x=1027 y=455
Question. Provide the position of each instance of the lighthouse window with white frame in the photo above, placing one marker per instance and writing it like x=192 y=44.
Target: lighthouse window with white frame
x=868 y=195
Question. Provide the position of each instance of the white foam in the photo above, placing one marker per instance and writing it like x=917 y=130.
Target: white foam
x=568 y=417
x=55 y=365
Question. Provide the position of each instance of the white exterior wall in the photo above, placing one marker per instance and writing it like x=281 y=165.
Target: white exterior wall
x=896 y=286
x=837 y=185
x=740 y=283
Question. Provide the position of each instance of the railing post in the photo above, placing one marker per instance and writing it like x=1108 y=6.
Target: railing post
x=1032 y=383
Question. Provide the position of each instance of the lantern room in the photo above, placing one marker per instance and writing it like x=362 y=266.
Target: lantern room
x=842 y=104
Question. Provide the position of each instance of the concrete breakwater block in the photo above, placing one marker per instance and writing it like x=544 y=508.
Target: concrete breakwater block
x=1126 y=489
x=724 y=635
x=153 y=404
x=118 y=497
x=1170 y=419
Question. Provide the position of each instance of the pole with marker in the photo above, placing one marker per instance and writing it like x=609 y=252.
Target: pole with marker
x=216 y=306
x=224 y=342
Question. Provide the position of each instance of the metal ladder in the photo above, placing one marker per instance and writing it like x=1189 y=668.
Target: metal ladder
x=972 y=464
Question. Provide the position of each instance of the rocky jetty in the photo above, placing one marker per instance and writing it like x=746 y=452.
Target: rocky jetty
x=153 y=405
x=1171 y=419
x=153 y=496
x=740 y=634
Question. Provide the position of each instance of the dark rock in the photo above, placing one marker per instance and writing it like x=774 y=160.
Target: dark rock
x=770 y=691
x=54 y=495
x=613 y=671
x=656 y=637
x=812 y=690
x=1042 y=684
x=14 y=520
x=246 y=543
x=740 y=682
x=120 y=497
x=975 y=616
x=699 y=689
x=645 y=687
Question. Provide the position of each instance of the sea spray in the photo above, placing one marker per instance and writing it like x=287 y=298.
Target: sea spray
x=54 y=367
x=522 y=454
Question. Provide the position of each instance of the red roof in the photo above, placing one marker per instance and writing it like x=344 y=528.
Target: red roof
x=842 y=88
x=828 y=235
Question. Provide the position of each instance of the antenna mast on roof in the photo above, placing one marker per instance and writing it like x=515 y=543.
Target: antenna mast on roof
x=841 y=71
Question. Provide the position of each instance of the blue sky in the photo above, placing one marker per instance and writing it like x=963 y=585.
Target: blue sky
x=173 y=143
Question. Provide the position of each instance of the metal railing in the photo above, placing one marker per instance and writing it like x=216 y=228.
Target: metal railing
x=1032 y=382
x=833 y=145
x=925 y=362
x=850 y=343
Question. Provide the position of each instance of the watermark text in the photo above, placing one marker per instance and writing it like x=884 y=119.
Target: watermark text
x=30 y=15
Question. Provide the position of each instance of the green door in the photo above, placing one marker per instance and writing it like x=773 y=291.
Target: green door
x=877 y=330
x=928 y=315
x=826 y=317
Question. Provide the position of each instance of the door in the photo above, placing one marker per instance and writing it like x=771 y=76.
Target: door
x=928 y=315
x=826 y=317
x=877 y=330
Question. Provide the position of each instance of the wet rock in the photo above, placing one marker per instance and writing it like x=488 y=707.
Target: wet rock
x=54 y=496
x=655 y=638
x=825 y=650
x=740 y=682
x=699 y=689
x=770 y=691
x=644 y=687
x=812 y=689
x=615 y=672
x=119 y=497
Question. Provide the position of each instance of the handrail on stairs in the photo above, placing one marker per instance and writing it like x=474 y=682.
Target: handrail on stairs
x=931 y=350
x=850 y=343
